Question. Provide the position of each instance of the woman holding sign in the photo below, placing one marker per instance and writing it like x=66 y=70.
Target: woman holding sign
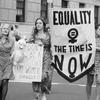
x=42 y=37
x=6 y=63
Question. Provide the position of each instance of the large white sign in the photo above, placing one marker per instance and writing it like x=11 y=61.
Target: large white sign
x=73 y=41
x=28 y=64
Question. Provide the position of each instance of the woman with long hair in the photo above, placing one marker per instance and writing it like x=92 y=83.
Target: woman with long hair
x=41 y=37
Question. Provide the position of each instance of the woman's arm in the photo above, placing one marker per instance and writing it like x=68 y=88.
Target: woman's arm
x=98 y=48
x=11 y=41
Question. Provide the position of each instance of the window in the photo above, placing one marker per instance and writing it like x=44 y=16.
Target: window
x=44 y=9
x=20 y=6
x=96 y=14
x=64 y=4
x=81 y=5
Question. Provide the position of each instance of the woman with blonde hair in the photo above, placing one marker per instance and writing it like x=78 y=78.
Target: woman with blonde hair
x=6 y=63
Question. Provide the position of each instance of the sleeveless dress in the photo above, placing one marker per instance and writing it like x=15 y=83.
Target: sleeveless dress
x=6 y=63
x=47 y=69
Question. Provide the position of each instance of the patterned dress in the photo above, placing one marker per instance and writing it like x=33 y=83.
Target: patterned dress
x=6 y=63
x=97 y=56
x=47 y=69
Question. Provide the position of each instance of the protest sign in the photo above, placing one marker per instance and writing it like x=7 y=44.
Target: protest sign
x=30 y=68
x=73 y=41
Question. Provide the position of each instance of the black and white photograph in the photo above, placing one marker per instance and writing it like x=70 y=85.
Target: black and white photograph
x=49 y=49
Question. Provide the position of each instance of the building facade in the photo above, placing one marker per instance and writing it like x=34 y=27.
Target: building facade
x=26 y=11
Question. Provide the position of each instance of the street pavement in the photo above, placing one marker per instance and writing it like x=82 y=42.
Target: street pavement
x=61 y=90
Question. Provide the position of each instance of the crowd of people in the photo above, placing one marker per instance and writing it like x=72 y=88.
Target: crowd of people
x=41 y=36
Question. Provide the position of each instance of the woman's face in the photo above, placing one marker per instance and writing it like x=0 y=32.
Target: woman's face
x=5 y=29
x=39 y=25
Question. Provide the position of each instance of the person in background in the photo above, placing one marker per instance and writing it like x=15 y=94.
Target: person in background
x=41 y=37
x=6 y=63
x=97 y=62
x=15 y=32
